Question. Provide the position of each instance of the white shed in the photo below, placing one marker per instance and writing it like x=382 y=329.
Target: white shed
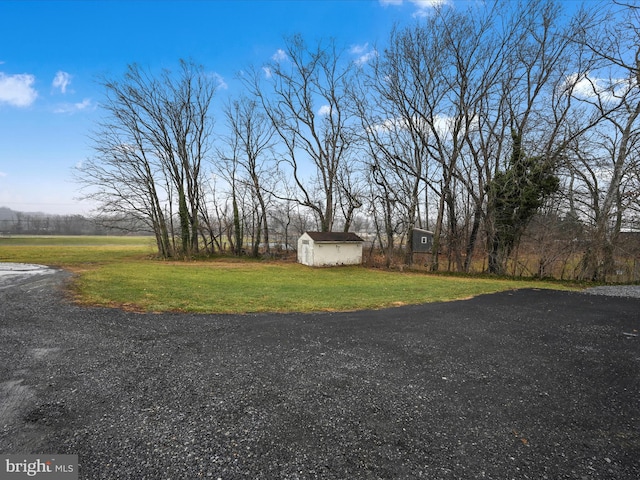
x=324 y=249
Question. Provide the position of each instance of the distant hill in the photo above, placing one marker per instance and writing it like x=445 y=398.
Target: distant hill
x=7 y=214
x=13 y=222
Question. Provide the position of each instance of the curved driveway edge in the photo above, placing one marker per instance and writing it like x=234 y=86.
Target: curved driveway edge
x=526 y=384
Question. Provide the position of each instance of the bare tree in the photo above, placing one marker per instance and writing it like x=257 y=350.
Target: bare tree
x=429 y=88
x=251 y=138
x=442 y=103
x=305 y=92
x=605 y=158
x=186 y=107
x=156 y=135
x=519 y=125
x=124 y=177
x=396 y=105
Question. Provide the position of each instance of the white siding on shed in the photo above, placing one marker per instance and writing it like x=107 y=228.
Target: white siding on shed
x=329 y=249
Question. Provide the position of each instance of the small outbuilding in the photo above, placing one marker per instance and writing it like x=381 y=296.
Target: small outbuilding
x=325 y=249
x=421 y=240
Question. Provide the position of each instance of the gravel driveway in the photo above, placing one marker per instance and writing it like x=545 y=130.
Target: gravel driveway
x=524 y=385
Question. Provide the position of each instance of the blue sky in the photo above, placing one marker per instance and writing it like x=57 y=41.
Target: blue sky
x=51 y=53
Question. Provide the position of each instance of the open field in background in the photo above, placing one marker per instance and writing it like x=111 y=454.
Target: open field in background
x=73 y=251
x=75 y=240
x=121 y=272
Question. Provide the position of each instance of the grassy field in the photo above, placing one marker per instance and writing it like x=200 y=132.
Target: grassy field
x=121 y=272
x=73 y=251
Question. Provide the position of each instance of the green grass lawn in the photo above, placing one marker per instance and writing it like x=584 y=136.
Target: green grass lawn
x=124 y=274
x=77 y=240
x=73 y=251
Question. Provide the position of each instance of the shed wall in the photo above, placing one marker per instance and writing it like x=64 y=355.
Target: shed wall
x=422 y=241
x=327 y=254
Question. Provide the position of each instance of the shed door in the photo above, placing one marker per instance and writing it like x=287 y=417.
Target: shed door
x=306 y=253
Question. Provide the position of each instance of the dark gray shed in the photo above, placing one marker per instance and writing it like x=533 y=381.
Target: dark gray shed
x=422 y=240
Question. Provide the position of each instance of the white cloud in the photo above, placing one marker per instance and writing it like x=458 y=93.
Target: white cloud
x=423 y=7
x=442 y=125
x=61 y=81
x=430 y=3
x=324 y=110
x=2 y=174
x=74 y=107
x=359 y=49
x=17 y=90
x=590 y=87
x=279 y=56
x=220 y=80
x=581 y=87
x=364 y=53
x=267 y=72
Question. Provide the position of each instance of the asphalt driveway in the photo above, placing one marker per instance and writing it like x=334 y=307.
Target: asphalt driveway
x=526 y=384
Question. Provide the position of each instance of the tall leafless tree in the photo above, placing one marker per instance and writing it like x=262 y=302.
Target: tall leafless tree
x=538 y=106
x=606 y=156
x=251 y=137
x=443 y=100
x=396 y=105
x=151 y=146
x=306 y=94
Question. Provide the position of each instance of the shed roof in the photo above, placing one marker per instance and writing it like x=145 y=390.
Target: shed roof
x=334 y=237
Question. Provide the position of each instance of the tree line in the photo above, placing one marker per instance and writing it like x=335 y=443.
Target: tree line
x=502 y=122
x=25 y=223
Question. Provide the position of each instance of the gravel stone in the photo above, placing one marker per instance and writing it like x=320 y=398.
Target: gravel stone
x=631 y=291
x=527 y=384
